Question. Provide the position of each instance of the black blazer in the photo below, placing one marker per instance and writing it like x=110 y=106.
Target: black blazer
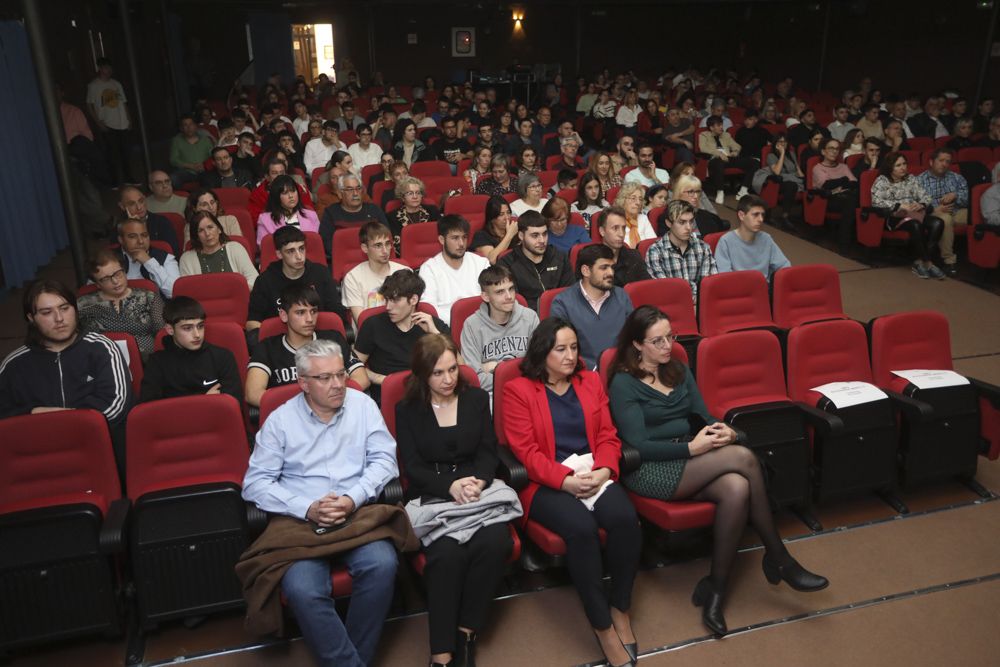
x=475 y=454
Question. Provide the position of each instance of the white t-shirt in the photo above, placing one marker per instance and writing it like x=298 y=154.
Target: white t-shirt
x=519 y=206
x=301 y=125
x=445 y=285
x=108 y=98
x=361 y=285
x=317 y=154
x=362 y=158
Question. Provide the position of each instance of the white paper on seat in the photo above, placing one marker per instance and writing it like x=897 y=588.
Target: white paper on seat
x=846 y=394
x=581 y=464
x=931 y=379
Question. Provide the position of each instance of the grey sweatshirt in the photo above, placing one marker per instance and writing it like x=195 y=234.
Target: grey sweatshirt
x=484 y=340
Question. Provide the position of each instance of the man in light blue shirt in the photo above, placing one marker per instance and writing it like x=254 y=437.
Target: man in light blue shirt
x=747 y=248
x=319 y=457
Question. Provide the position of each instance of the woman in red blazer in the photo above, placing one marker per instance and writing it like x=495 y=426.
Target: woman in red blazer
x=555 y=410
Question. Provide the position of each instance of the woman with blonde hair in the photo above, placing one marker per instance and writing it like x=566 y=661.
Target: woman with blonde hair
x=687 y=187
x=602 y=166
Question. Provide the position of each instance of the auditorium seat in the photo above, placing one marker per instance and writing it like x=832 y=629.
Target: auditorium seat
x=224 y=296
x=733 y=301
x=419 y=242
x=325 y=321
x=228 y=335
x=463 y=309
x=132 y=356
x=430 y=169
x=545 y=301
x=806 y=293
x=232 y=197
x=673 y=297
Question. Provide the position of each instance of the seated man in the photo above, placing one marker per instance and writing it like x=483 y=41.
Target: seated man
x=629 y=265
x=300 y=124
x=747 y=248
x=800 y=133
x=983 y=117
x=365 y=152
x=752 y=137
x=385 y=341
x=188 y=364
x=500 y=329
x=840 y=126
x=272 y=363
x=523 y=136
x=362 y=283
x=258 y=197
x=536 y=266
x=928 y=123
x=225 y=175
x=132 y=204
x=679 y=253
x=678 y=133
x=647 y=173
x=485 y=136
x=351 y=211
x=871 y=124
x=161 y=195
x=320 y=458
x=188 y=152
x=949 y=195
x=319 y=150
x=596 y=306
x=293 y=268
x=246 y=158
x=565 y=130
x=144 y=261
x=626 y=151
x=453 y=273
x=61 y=368
x=569 y=148
x=723 y=152
x=566 y=178
x=349 y=120
x=718 y=110
x=450 y=147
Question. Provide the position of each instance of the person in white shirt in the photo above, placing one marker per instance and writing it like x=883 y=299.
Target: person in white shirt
x=364 y=152
x=841 y=125
x=453 y=273
x=529 y=186
x=361 y=284
x=108 y=106
x=646 y=173
x=319 y=151
x=628 y=113
x=717 y=110
x=302 y=117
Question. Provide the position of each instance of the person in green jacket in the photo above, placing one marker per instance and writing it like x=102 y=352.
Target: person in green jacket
x=688 y=454
x=188 y=151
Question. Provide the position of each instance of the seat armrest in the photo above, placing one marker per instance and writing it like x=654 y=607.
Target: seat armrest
x=256 y=520
x=821 y=420
x=630 y=460
x=988 y=391
x=912 y=409
x=392 y=494
x=510 y=470
x=112 y=536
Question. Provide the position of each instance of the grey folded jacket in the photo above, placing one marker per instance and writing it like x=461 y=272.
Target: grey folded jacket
x=497 y=503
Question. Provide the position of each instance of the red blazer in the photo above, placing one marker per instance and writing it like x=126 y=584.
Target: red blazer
x=529 y=432
x=646 y=124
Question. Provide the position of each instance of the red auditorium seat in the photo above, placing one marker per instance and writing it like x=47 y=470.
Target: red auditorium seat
x=325 y=321
x=713 y=240
x=419 y=242
x=470 y=207
x=463 y=309
x=733 y=301
x=870 y=221
x=314 y=250
x=133 y=357
x=545 y=301
x=368 y=172
x=430 y=169
x=229 y=335
x=806 y=293
x=225 y=296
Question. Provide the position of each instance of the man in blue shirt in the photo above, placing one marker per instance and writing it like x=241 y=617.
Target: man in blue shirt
x=318 y=458
x=949 y=195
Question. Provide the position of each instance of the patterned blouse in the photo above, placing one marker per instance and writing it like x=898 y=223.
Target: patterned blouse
x=888 y=194
x=139 y=314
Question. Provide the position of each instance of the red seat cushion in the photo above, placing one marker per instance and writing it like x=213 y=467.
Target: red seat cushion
x=674 y=515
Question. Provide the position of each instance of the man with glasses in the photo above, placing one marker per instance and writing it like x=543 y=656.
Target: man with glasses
x=319 y=459
x=679 y=253
x=351 y=211
x=364 y=152
x=132 y=204
x=162 y=198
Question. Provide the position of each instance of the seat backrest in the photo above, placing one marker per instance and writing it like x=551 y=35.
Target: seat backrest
x=865 y=187
x=430 y=168
x=225 y=296
x=314 y=250
x=419 y=242
x=731 y=301
x=905 y=341
x=438 y=186
x=672 y=296
x=379 y=189
x=233 y=196
x=371 y=312
x=394 y=388
x=229 y=335
x=368 y=172
x=740 y=368
x=247 y=227
x=568 y=195
x=56 y=458
x=806 y=293
x=275 y=397
x=177 y=222
x=921 y=143
x=132 y=355
x=183 y=441
x=325 y=321
x=822 y=352
x=346 y=252
x=975 y=154
x=975 y=201
x=503 y=373
x=713 y=240
x=644 y=245
x=548 y=178
x=545 y=301
x=466 y=205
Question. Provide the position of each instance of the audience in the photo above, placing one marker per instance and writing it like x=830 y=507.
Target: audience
x=530 y=189
x=144 y=261
x=949 y=199
x=628 y=263
x=453 y=273
x=213 y=252
x=225 y=174
x=285 y=208
x=637 y=228
x=562 y=234
x=161 y=194
x=680 y=253
x=132 y=204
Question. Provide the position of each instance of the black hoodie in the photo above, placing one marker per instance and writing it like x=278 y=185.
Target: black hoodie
x=532 y=279
x=175 y=371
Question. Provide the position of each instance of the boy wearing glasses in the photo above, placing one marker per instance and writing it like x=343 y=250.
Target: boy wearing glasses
x=680 y=253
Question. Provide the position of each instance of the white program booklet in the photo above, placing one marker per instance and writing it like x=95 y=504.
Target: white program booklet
x=932 y=379
x=846 y=394
x=585 y=463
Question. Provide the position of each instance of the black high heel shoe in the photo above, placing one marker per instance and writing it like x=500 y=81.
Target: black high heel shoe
x=792 y=574
x=709 y=598
x=631 y=661
x=465 y=649
x=632 y=648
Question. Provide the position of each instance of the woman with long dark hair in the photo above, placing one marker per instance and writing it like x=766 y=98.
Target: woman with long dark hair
x=499 y=233
x=284 y=207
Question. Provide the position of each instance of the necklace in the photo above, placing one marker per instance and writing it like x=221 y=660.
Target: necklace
x=438 y=406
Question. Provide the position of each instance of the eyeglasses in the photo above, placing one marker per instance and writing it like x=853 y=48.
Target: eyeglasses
x=661 y=342
x=356 y=188
x=327 y=378
x=165 y=181
x=690 y=192
x=114 y=277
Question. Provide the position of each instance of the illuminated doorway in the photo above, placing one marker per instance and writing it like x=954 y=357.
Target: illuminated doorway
x=312 y=50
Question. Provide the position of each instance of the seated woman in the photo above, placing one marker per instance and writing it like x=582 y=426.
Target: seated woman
x=498 y=234
x=637 y=227
x=527 y=161
x=840 y=185
x=687 y=169
x=607 y=175
x=410 y=191
x=555 y=410
x=481 y=169
x=782 y=163
x=687 y=453
x=529 y=186
x=204 y=199
x=688 y=188
x=501 y=183
x=448 y=450
x=589 y=200
x=655 y=197
x=908 y=206
x=285 y=208
x=117 y=307
x=213 y=252
x=406 y=148
x=813 y=147
x=562 y=235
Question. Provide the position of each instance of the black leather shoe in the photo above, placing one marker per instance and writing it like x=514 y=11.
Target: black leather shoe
x=709 y=598
x=465 y=649
x=793 y=574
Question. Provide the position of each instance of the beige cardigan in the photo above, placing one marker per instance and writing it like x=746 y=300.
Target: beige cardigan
x=238 y=259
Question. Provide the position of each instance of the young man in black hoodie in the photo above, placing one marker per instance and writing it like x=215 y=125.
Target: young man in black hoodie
x=188 y=364
x=536 y=266
x=294 y=268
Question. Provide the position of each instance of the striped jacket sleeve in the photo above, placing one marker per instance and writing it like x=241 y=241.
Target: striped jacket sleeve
x=112 y=384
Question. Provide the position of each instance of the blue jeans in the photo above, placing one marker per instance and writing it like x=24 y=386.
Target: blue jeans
x=306 y=585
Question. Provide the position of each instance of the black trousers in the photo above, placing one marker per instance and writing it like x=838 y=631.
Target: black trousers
x=461 y=582
x=717 y=169
x=845 y=203
x=116 y=148
x=566 y=516
x=924 y=236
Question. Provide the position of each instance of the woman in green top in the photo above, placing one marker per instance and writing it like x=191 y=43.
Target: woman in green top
x=688 y=454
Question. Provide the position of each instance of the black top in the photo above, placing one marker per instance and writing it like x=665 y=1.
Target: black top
x=335 y=217
x=532 y=279
x=389 y=348
x=445 y=148
x=175 y=371
x=276 y=357
x=484 y=237
x=250 y=164
x=160 y=229
x=266 y=292
x=752 y=141
x=241 y=178
x=567 y=423
x=630 y=267
x=422 y=444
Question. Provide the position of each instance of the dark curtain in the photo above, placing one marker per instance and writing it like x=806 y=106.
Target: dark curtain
x=32 y=223
x=271 y=36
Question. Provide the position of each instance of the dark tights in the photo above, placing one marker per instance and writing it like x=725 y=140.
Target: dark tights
x=731 y=478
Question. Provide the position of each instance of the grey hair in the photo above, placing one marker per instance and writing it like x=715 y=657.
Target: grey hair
x=342 y=181
x=121 y=223
x=315 y=349
x=525 y=181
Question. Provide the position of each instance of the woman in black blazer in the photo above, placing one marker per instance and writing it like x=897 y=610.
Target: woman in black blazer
x=447 y=449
